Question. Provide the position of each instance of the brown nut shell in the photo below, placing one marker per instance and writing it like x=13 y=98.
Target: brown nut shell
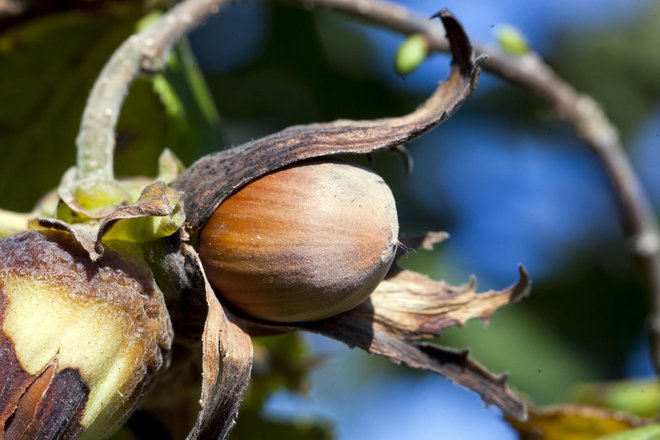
x=303 y=243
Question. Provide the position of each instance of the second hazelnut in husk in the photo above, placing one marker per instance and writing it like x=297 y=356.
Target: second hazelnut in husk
x=80 y=341
x=303 y=243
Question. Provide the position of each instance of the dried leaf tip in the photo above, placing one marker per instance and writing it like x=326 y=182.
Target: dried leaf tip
x=522 y=288
x=459 y=43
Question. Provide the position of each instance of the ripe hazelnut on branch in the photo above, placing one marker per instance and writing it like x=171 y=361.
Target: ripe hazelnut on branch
x=303 y=243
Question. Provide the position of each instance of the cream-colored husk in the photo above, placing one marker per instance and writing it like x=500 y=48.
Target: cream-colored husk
x=95 y=338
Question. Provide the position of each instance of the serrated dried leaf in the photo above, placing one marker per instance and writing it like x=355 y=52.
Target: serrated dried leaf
x=574 y=422
x=415 y=306
x=411 y=306
x=213 y=178
x=455 y=365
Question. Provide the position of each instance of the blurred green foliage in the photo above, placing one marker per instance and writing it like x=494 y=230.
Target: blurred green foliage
x=280 y=363
x=47 y=67
x=639 y=397
x=616 y=66
x=645 y=433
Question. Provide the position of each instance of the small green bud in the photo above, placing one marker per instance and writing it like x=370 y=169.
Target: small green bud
x=412 y=52
x=512 y=40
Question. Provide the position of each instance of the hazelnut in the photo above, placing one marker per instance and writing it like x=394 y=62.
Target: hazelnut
x=79 y=341
x=302 y=243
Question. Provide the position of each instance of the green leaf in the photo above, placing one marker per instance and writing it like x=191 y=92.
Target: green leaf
x=47 y=67
x=187 y=100
x=574 y=422
x=173 y=110
x=640 y=397
x=646 y=433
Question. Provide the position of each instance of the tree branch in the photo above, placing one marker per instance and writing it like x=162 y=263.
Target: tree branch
x=579 y=111
x=145 y=52
x=589 y=122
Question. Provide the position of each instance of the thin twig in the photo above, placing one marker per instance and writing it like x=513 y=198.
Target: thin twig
x=589 y=122
x=579 y=111
x=146 y=52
